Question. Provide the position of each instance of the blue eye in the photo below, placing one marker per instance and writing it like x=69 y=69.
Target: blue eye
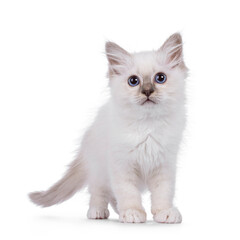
x=133 y=81
x=160 y=78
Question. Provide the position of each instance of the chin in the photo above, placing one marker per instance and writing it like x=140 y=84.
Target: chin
x=148 y=103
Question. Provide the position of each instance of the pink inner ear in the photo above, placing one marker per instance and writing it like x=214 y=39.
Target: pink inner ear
x=115 y=53
x=173 y=49
x=175 y=56
x=117 y=57
x=113 y=60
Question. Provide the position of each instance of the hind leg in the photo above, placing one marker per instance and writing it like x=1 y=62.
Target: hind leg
x=113 y=203
x=98 y=206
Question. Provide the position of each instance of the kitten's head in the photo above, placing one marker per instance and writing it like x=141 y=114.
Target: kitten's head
x=147 y=80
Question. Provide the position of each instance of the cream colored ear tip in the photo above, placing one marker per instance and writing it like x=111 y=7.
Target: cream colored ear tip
x=177 y=37
x=109 y=45
x=112 y=46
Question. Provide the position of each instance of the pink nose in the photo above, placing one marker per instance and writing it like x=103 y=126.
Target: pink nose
x=147 y=90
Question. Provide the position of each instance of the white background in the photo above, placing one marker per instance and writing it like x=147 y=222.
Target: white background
x=52 y=81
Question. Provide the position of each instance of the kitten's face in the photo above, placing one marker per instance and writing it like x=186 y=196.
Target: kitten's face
x=147 y=79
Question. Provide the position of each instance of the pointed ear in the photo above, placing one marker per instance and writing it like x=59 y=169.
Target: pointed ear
x=173 y=51
x=117 y=57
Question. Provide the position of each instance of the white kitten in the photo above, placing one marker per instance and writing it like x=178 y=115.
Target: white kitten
x=134 y=140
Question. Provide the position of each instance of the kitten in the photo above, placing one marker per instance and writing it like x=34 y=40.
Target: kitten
x=134 y=140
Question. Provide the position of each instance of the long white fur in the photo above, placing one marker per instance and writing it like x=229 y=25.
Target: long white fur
x=131 y=146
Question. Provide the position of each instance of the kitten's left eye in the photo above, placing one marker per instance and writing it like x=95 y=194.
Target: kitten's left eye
x=160 y=78
x=133 y=81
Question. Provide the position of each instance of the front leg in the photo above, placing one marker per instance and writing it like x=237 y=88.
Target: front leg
x=128 y=196
x=162 y=187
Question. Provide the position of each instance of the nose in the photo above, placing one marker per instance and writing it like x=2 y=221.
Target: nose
x=147 y=89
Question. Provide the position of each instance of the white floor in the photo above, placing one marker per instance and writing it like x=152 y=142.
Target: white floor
x=68 y=221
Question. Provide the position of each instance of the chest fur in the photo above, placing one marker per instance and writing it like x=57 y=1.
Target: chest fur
x=145 y=144
x=149 y=152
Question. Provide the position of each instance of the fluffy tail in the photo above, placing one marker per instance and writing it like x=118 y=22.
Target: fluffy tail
x=72 y=181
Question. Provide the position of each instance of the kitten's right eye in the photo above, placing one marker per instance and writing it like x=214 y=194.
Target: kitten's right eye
x=133 y=81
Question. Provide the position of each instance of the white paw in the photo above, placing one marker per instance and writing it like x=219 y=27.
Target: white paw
x=98 y=213
x=170 y=215
x=132 y=216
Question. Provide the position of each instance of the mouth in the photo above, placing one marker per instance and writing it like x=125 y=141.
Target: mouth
x=148 y=101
